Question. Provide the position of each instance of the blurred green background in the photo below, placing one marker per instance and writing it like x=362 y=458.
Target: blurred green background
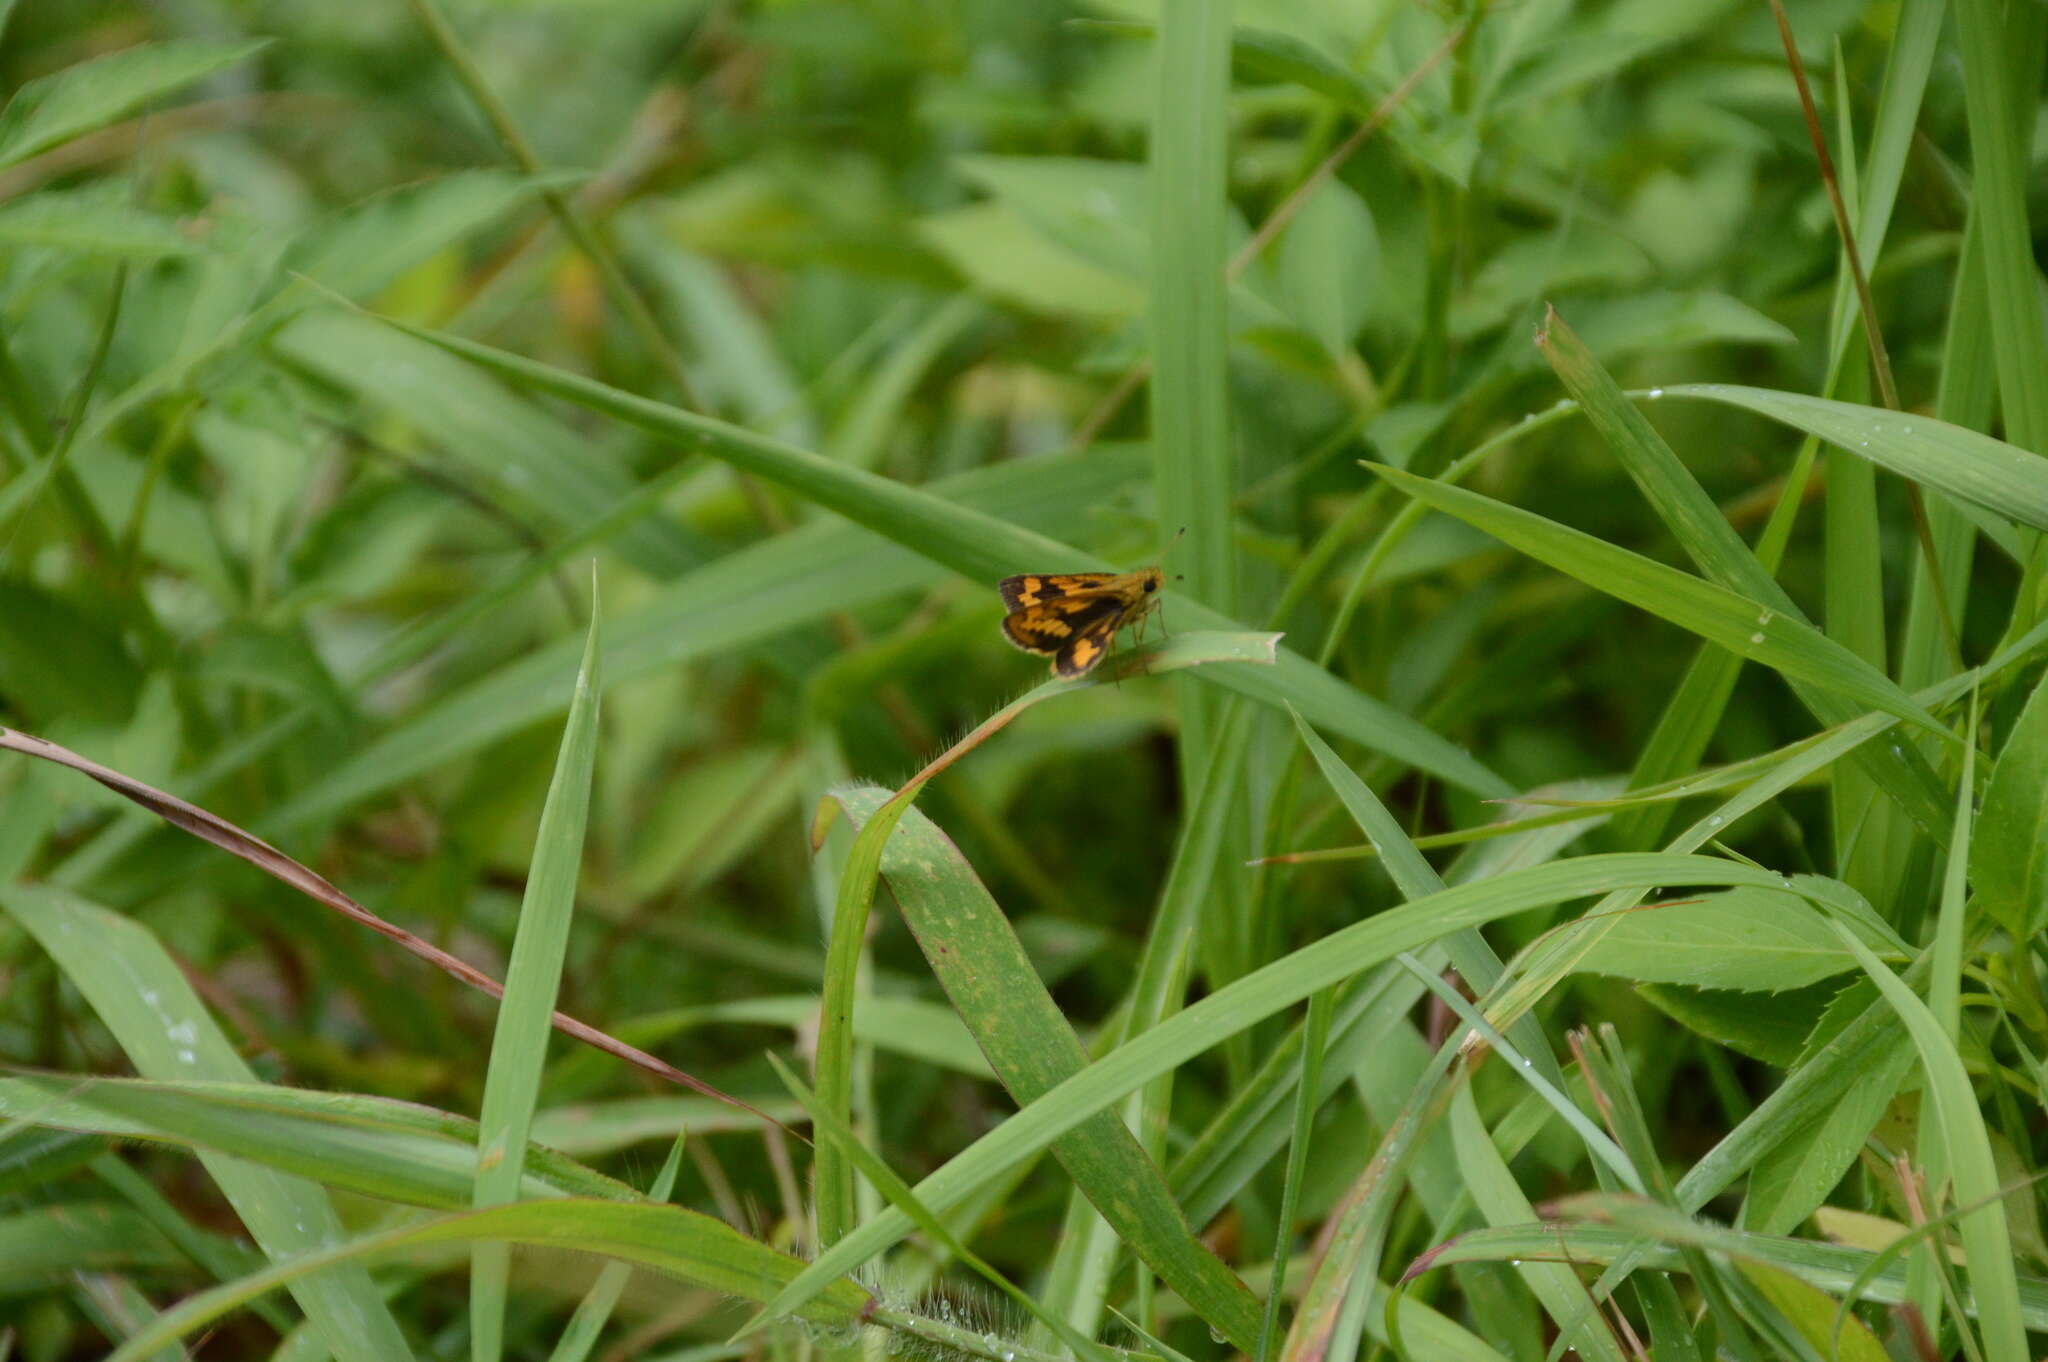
x=332 y=581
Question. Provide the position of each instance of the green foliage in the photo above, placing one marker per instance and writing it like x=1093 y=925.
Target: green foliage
x=1687 y=986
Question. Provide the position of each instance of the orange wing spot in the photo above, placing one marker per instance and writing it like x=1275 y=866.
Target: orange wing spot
x=1081 y=655
x=1029 y=595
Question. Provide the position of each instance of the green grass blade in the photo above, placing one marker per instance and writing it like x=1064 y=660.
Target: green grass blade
x=984 y=548
x=2004 y=479
x=1707 y=538
x=695 y=1248
x=53 y=109
x=1251 y=999
x=1998 y=188
x=1986 y=1237
x=1756 y=630
x=519 y=1045
x=1831 y=1267
x=739 y=600
x=1315 y=1036
x=2009 y=857
x=594 y=1311
x=978 y=960
x=145 y=1000
x=898 y=1193
x=374 y=1147
x=1195 y=465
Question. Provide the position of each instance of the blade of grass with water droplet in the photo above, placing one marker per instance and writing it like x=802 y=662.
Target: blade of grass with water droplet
x=166 y=1032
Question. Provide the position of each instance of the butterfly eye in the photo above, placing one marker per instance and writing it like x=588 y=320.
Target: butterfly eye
x=1151 y=585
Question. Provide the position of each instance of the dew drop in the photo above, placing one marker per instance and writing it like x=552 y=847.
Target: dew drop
x=1756 y=638
x=1715 y=821
x=1656 y=393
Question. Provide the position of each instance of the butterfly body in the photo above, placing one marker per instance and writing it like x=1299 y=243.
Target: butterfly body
x=1073 y=617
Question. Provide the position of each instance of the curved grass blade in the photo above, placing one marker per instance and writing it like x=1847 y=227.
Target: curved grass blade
x=1736 y=622
x=1156 y=1229
x=694 y=1248
x=2002 y=478
x=1249 y=1000
x=984 y=548
x=1830 y=1267
x=978 y=960
x=1986 y=1237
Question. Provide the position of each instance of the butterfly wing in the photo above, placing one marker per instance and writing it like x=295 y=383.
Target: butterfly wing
x=1031 y=589
x=1094 y=634
x=1073 y=630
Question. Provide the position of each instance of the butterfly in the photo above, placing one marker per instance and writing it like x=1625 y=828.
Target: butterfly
x=1073 y=617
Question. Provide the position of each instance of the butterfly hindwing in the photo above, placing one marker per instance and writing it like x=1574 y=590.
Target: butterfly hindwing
x=1073 y=631
x=1094 y=635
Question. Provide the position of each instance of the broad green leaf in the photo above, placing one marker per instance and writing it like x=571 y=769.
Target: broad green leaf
x=519 y=1045
x=1327 y=266
x=856 y=892
x=58 y=107
x=2009 y=856
x=145 y=1000
x=1751 y=940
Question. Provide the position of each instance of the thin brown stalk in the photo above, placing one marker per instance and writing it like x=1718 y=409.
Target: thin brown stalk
x=211 y=827
x=1873 y=335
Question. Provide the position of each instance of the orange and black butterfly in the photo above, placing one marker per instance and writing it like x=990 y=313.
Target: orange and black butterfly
x=1073 y=617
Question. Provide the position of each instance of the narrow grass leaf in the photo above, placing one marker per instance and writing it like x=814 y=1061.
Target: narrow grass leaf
x=1707 y=538
x=594 y=1311
x=695 y=1248
x=2009 y=855
x=2004 y=479
x=897 y=1192
x=519 y=1045
x=975 y=954
x=371 y=1146
x=131 y=981
x=984 y=548
x=55 y=108
x=91 y=223
x=1831 y=1267
x=1998 y=191
x=1246 y=1001
x=1744 y=626
x=1986 y=1237
x=740 y=599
